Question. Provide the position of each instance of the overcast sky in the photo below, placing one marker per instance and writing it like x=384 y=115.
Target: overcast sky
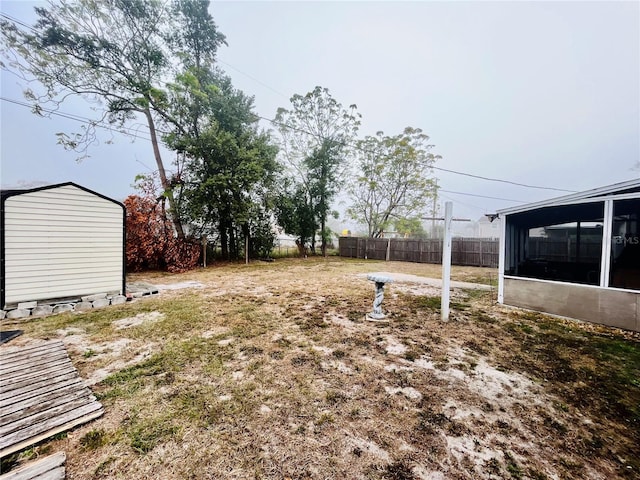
x=543 y=93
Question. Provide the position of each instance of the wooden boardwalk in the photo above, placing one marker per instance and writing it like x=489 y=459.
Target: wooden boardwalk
x=41 y=394
x=47 y=468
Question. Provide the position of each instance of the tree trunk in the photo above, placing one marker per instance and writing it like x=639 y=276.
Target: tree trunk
x=224 y=240
x=246 y=234
x=233 y=242
x=323 y=245
x=173 y=210
x=323 y=220
x=323 y=200
x=302 y=250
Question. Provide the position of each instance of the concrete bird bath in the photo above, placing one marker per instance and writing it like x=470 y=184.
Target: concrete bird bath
x=377 y=315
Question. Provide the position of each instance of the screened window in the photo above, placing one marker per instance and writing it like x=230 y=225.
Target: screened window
x=561 y=243
x=625 y=245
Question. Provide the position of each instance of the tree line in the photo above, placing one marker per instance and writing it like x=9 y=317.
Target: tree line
x=228 y=179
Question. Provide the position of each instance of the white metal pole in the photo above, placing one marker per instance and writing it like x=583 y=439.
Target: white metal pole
x=446 y=261
x=607 y=238
x=502 y=257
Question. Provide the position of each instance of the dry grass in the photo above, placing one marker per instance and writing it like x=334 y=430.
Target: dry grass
x=271 y=371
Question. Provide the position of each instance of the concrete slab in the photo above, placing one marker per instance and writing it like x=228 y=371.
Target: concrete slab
x=434 y=282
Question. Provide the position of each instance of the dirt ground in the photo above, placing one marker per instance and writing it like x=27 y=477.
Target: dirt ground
x=272 y=371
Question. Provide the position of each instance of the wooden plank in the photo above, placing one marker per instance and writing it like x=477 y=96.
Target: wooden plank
x=11 y=361
x=44 y=404
x=8 y=367
x=34 y=367
x=15 y=399
x=20 y=439
x=22 y=352
x=49 y=410
x=47 y=468
x=56 y=474
x=41 y=397
x=12 y=351
x=26 y=387
x=57 y=369
x=34 y=359
x=31 y=361
x=54 y=431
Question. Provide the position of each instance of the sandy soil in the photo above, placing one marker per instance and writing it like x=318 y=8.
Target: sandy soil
x=279 y=375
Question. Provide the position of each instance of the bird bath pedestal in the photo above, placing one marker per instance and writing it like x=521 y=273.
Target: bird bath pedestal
x=376 y=315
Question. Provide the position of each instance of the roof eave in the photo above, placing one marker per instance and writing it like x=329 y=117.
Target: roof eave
x=595 y=192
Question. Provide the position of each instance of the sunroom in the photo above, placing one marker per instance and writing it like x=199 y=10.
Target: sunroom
x=576 y=256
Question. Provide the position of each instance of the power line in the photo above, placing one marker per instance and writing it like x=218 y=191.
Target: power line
x=475 y=207
x=254 y=79
x=434 y=167
x=482 y=196
x=78 y=118
x=273 y=122
x=70 y=116
x=502 y=181
x=125 y=131
x=15 y=20
x=82 y=119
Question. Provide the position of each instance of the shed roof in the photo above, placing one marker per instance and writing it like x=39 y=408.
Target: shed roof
x=20 y=191
x=629 y=186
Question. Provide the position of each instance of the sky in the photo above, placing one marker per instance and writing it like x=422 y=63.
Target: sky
x=539 y=93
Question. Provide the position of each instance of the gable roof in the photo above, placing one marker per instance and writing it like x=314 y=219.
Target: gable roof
x=4 y=194
x=629 y=186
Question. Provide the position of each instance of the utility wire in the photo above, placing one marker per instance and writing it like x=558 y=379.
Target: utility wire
x=481 y=196
x=502 y=181
x=15 y=20
x=273 y=122
x=475 y=207
x=81 y=119
x=126 y=131
x=254 y=79
x=77 y=118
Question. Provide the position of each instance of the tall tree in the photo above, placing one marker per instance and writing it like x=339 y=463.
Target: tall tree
x=315 y=137
x=116 y=54
x=394 y=180
x=230 y=163
x=295 y=214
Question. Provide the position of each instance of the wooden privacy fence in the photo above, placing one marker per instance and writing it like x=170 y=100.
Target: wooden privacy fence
x=565 y=250
x=478 y=252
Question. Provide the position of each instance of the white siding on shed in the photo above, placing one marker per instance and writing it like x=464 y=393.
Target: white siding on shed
x=61 y=242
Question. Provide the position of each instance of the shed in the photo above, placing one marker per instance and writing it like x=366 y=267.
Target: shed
x=576 y=256
x=59 y=242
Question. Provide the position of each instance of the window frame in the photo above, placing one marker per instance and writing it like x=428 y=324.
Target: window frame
x=607 y=235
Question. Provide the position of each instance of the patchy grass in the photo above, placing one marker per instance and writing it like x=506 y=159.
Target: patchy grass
x=271 y=371
x=93 y=439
